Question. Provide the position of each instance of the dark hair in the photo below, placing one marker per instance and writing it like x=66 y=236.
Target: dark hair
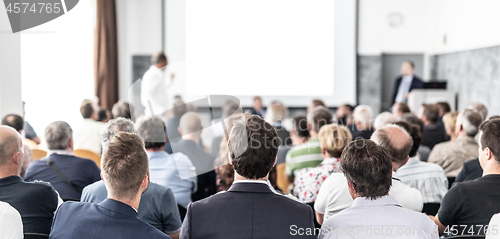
x=300 y=126
x=397 y=147
x=318 y=117
x=350 y=107
x=444 y=106
x=415 y=133
x=253 y=146
x=14 y=121
x=153 y=130
x=367 y=166
x=102 y=115
x=491 y=136
x=121 y=109
x=158 y=57
x=413 y=119
x=318 y=102
x=412 y=64
x=431 y=111
x=124 y=164
x=403 y=107
x=86 y=109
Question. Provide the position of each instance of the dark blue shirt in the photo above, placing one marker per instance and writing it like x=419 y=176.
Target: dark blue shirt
x=35 y=201
x=80 y=171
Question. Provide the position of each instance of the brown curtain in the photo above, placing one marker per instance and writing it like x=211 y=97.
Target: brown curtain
x=106 y=54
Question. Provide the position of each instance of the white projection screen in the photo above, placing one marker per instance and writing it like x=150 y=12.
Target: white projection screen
x=287 y=50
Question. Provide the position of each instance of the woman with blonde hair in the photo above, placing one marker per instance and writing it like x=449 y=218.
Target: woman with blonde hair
x=449 y=121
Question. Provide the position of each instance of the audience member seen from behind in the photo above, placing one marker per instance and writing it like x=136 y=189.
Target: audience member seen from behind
x=35 y=201
x=398 y=109
x=157 y=207
x=433 y=132
x=17 y=122
x=428 y=178
x=174 y=171
x=452 y=155
x=444 y=108
x=343 y=115
x=86 y=135
x=250 y=193
x=384 y=119
x=468 y=206
x=122 y=109
x=368 y=169
x=363 y=119
x=67 y=173
x=276 y=115
x=126 y=176
x=449 y=121
x=315 y=103
x=308 y=154
x=423 y=151
x=178 y=110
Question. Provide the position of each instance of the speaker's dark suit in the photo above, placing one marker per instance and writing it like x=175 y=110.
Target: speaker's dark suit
x=109 y=219
x=416 y=83
x=247 y=210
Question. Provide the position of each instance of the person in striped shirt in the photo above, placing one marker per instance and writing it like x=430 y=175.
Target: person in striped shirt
x=308 y=154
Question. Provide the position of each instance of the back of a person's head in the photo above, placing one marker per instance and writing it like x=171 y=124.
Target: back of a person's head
x=300 y=126
x=384 y=119
x=153 y=130
x=57 y=135
x=490 y=136
x=121 y=109
x=431 y=112
x=253 y=146
x=179 y=108
x=480 y=108
x=276 y=112
x=318 y=117
x=158 y=57
x=124 y=165
x=190 y=123
x=444 y=107
x=115 y=126
x=403 y=108
x=470 y=121
x=102 y=115
x=415 y=133
x=334 y=138
x=317 y=102
x=229 y=108
x=413 y=119
x=450 y=120
x=367 y=166
x=363 y=114
x=14 y=121
x=87 y=108
x=10 y=143
x=396 y=140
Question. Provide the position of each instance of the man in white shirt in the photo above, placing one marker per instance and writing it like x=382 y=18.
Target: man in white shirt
x=155 y=84
x=333 y=196
x=11 y=226
x=87 y=134
x=406 y=83
x=374 y=213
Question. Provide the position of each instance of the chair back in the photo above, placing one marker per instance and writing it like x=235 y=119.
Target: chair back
x=38 y=153
x=31 y=144
x=35 y=236
x=83 y=153
x=281 y=179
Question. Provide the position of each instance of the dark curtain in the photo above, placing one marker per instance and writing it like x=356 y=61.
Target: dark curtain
x=106 y=54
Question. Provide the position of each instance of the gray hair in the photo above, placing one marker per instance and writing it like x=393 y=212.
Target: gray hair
x=363 y=114
x=470 y=120
x=115 y=126
x=384 y=119
x=57 y=135
x=153 y=130
x=479 y=108
x=277 y=112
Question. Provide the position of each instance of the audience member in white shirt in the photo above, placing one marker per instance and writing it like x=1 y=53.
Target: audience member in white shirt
x=11 y=225
x=87 y=134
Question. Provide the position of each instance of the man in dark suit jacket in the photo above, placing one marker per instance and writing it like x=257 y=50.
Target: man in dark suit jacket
x=406 y=83
x=125 y=174
x=249 y=209
x=79 y=171
x=190 y=128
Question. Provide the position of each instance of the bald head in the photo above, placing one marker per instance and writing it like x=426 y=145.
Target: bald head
x=10 y=144
x=190 y=123
x=396 y=140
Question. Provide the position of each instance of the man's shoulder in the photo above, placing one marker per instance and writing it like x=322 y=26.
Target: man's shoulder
x=40 y=187
x=305 y=149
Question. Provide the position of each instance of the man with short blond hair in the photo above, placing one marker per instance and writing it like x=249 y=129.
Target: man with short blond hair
x=126 y=176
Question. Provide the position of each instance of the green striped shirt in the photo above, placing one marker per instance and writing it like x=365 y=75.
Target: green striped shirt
x=306 y=155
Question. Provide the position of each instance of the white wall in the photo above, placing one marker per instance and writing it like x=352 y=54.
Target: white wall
x=139 y=33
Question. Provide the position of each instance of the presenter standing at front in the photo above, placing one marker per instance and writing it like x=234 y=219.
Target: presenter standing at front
x=406 y=83
x=155 y=84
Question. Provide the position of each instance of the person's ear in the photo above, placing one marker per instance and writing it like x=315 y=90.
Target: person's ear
x=180 y=131
x=323 y=151
x=351 y=189
x=406 y=161
x=70 y=143
x=229 y=159
x=488 y=153
x=102 y=178
x=145 y=182
x=17 y=158
x=309 y=127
